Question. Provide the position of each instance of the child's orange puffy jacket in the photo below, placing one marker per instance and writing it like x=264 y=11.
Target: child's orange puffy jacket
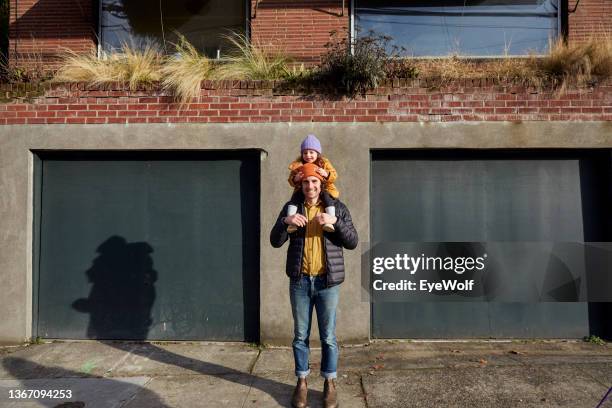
x=330 y=187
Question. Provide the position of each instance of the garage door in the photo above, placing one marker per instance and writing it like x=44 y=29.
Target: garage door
x=148 y=246
x=489 y=196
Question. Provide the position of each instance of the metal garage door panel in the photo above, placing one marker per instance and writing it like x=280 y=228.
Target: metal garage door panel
x=478 y=197
x=156 y=246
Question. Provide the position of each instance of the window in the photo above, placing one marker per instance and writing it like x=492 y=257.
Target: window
x=464 y=27
x=141 y=22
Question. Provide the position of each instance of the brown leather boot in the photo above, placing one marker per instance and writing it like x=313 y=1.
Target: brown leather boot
x=300 y=398
x=330 y=397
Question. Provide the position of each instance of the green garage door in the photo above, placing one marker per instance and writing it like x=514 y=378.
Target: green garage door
x=148 y=246
x=487 y=196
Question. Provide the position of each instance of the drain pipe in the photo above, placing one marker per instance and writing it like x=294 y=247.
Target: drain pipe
x=575 y=7
x=16 y=28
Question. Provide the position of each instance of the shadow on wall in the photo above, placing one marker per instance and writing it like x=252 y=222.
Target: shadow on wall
x=120 y=302
x=35 y=22
x=122 y=292
x=38 y=35
x=121 y=298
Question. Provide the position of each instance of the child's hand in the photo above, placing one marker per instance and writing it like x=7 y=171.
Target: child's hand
x=298 y=177
x=322 y=172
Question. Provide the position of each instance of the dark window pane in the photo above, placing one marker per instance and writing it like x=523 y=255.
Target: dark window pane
x=488 y=27
x=203 y=22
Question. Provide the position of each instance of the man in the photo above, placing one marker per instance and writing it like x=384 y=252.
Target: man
x=315 y=266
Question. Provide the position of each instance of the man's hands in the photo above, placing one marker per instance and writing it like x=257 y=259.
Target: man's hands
x=296 y=219
x=325 y=218
x=300 y=221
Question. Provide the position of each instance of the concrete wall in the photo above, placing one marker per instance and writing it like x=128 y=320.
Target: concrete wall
x=348 y=145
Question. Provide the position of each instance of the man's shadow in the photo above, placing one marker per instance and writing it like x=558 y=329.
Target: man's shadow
x=120 y=302
x=122 y=292
x=23 y=370
x=123 y=312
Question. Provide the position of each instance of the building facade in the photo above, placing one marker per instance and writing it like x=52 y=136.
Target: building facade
x=128 y=216
x=41 y=30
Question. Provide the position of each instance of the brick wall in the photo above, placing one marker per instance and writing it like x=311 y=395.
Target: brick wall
x=242 y=101
x=39 y=29
x=299 y=27
x=592 y=18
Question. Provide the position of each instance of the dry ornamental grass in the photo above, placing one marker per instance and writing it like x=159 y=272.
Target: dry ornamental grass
x=132 y=66
x=250 y=60
x=577 y=64
x=184 y=72
x=566 y=65
x=573 y=65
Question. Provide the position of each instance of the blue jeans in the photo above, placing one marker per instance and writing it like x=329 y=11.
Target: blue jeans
x=306 y=294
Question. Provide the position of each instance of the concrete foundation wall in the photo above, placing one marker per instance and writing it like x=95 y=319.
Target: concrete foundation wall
x=347 y=145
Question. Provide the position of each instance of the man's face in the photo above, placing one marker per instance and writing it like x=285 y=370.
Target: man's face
x=311 y=187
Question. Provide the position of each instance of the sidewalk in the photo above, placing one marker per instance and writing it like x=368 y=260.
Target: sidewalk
x=382 y=374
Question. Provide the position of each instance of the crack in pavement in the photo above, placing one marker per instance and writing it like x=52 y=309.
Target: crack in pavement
x=251 y=369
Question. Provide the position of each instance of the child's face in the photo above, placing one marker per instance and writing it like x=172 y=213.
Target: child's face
x=309 y=155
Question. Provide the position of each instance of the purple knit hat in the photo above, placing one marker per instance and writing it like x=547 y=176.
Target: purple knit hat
x=311 y=143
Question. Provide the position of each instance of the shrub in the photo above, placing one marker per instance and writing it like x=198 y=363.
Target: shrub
x=184 y=72
x=251 y=60
x=355 y=73
x=135 y=66
x=30 y=70
x=297 y=73
x=577 y=64
x=140 y=66
x=340 y=71
x=401 y=68
x=594 y=340
x=445 y=70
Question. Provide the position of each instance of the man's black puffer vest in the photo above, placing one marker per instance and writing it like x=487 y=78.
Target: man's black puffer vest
x=345 y=236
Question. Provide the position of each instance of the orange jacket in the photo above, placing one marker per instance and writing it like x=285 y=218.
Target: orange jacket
x=330 y=187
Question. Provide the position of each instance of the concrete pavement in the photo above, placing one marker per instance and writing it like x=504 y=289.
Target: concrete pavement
x=381 y=374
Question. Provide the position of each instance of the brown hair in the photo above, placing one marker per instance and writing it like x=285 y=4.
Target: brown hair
x=318 y=161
